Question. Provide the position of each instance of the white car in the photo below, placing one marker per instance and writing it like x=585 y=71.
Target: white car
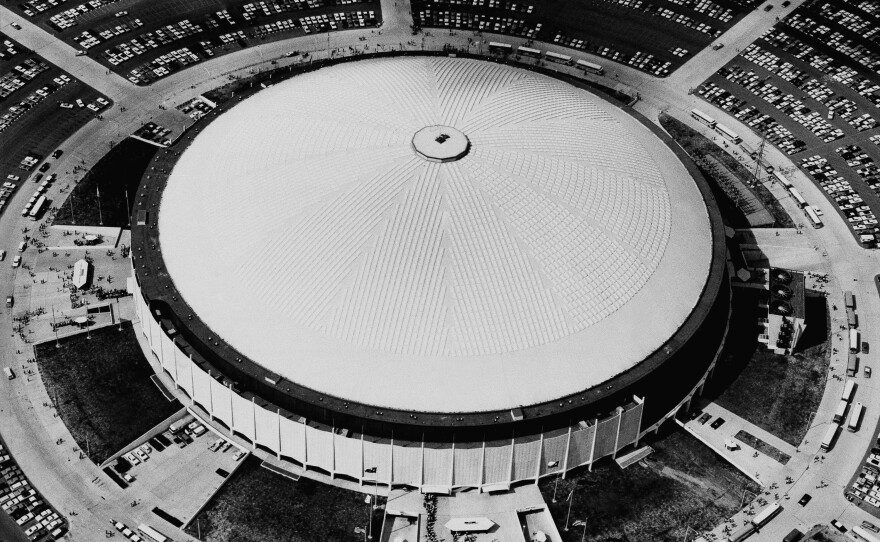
x=238 y=455
x=145 y=448
x=141 y=455
x=2 y=255
x=128 y=478
x=132 y=459
x=16 y=261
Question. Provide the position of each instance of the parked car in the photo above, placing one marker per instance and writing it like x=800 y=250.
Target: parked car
x=132 y=459
x=717 y=423
x=2 y=255
x=867 y=372
x=10 y=301
x=838 y=525
x=16 y=261
x=865 y=347
x=128 y=478
x=57 y=153
x=141 y=455
x=805 y=499
x=870 y=526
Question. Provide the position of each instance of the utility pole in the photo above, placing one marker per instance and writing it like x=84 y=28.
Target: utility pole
x=759 y=157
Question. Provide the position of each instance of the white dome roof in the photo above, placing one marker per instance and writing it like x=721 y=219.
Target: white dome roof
x=560 y=248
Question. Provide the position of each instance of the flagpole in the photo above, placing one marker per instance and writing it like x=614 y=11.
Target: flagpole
x=568 y=515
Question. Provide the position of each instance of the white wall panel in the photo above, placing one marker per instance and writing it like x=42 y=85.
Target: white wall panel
x=243 y=415
x=201 y=387
x=377 y=453
x=221 y=397
x=468 y=458
x=525 y=457
x=497 y=462
x=348 y=456
x=554 y=451
x=292 y=445
x=438 y=465
x=408 y=463
x=267 y=429
x=320 y=448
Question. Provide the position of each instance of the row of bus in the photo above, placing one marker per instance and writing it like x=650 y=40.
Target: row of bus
x=855 y=415
x=795 y=194
x=720 y=129
x=759 y=520
x=733 y=137
x=506 y=48
x=38 y=202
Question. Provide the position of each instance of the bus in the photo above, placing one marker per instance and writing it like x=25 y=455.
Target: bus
x=556 y=57
x=748 y=150
x=855 y=416
x=852 y=318
x=764 y=516
x=840 y=413
x=703 y=118
x=796 y=196
x=828 y=440
x=149 y=533
x=854 y=340
x=528 y=51
x=499 y=47
x=782 y=179
x=849 y=300
x=591 y=67
x=811 y=214
x=863 y=534
x=852 y=364
x=848 y=390
x=742 y=533
x=37 y=209
x=727 y=133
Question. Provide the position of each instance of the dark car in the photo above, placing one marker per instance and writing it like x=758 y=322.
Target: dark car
x=786 y=4
x=805 y=499
x=865 y=347
x=705 y=418
x=695 y=414
x=769 y=7
x=717 y=423
x=45 y=167
x=57 y=153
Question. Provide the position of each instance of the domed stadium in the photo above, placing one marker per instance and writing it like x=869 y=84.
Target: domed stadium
x=395 y=245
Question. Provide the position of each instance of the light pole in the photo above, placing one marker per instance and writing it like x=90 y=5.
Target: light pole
x=372 y=470
x=570 y=500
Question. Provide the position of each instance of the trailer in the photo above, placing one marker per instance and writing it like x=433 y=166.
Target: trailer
x=528 y=51
x=849 y=300
x=742 y=533
x=811 y=213
x=797 y=197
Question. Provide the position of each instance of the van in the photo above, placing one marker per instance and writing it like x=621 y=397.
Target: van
x=22 y=246
x=8 y=372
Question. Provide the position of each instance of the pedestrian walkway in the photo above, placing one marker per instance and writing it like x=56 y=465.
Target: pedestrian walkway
x=758 y=466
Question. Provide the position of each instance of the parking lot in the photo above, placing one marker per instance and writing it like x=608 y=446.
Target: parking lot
x=153 y=39
x=177 y=479
x=815 y=93
x=25 y=506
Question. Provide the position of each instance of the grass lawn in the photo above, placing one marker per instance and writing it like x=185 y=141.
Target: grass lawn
x=779 y=394
x=119 y=170
x=698 y=147
x=685 y=485
x=102 y=389
x=257 y=505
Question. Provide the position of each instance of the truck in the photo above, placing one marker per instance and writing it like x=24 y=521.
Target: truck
x=852 y=365
x=849 y=300
x=175 y=427
x=8 y=372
